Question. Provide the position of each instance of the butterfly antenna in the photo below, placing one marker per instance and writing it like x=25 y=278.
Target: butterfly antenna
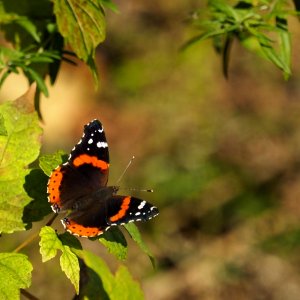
x=139 y=190
x=126 y=168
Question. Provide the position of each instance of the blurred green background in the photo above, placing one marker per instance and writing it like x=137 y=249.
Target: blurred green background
x=223 y=156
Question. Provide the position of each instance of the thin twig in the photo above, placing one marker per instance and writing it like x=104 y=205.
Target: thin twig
x=33 y=236
x=28 y=295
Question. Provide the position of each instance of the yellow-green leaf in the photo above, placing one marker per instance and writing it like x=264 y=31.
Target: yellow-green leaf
x=18 y=148
x=15 y=273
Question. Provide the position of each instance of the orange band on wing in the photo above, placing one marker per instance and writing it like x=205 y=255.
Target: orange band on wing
x=122 y=211
x=53 y=186
x=92 y=160
x=80 y=230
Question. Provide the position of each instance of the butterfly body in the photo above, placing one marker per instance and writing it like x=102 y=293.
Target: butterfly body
x=79 y=186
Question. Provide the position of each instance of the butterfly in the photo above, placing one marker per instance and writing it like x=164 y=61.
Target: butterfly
x=79 y=187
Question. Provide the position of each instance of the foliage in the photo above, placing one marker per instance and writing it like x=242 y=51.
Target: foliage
x=23 y=200
x=22 y=132
x=39 y=31
x=37 y=47
x=260 y=26
x=15 y=273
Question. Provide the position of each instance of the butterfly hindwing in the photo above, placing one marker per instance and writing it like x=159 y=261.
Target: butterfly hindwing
x=125 y=209
x=115 y=210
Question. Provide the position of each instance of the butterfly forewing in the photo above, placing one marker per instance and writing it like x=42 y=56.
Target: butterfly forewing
x=86 y=170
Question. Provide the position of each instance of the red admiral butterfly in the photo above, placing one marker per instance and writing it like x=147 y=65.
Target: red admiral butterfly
x=80 y=186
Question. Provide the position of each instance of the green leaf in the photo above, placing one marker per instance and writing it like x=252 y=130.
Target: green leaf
x=15 y=273
x=82 y=24
x=93 y=68
x=49 y=162
x=125 y=286
x=50 y=243
x=18 y=149
x=109 y=4
x=100 y=268
x=285 y=45
x=208 y=34
x=120 y=286
x=35 y=76
x=70 y=265
x=115 y=242
x=28 y=26
x=275 y=58
x=136 y=236
x=226 y=53
x=3 y=130
x=23 y=21
x=5 y=74
x=70 y=240
x=91 y=287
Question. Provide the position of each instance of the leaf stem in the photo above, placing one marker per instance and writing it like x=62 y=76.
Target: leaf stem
x=28 y=295
x=33 y=236
x=26 y=242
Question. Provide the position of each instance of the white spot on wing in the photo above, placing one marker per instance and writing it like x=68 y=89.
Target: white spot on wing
x=138 y=213
x=90 y=141
x=143 y=203
x=102 y=145
x=62 y=221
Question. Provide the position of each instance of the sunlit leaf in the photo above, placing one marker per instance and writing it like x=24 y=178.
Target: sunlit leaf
x=3 y=130
x=109 y=4
x=125 y=286
x=70 y=265
x=15 y=273
x=136 y=236
x=285 y=45
x=18 y=148
x=49 y=162
x=120 y=286
x=82 y=24
x=49 y=244
x=115 y=242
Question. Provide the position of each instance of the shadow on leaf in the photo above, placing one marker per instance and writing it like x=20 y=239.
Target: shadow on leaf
x=36 y=188
x=90 y=284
